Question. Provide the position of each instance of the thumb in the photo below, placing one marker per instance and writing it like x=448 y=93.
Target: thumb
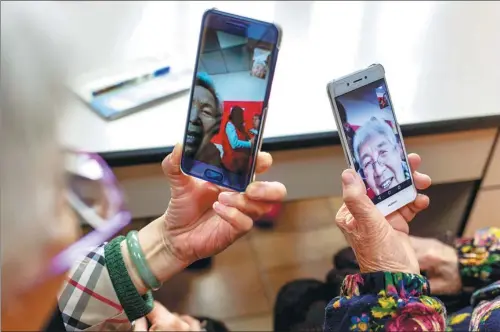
x=159 y=313
x=172 y=167
x=438 y=285
x=162 y=319
x=356 y=200
x=141 y=325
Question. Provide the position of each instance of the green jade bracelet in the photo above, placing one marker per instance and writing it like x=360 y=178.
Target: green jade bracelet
x=139 y=260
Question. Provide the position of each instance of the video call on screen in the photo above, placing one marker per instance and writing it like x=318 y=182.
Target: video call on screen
x=226 y=112
x=367 y=119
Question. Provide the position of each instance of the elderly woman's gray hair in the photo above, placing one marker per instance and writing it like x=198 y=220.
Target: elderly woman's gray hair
x=370 y=128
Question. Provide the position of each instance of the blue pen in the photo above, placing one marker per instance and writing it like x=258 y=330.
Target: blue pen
x=157 y=73
x=162 y=71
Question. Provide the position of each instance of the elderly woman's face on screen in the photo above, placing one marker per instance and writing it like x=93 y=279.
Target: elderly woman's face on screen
x=381 y=163
x=204 y=119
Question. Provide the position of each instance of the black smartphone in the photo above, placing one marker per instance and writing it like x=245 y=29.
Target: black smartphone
x=229 y=97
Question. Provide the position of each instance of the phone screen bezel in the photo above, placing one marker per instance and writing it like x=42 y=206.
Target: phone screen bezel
x=254 y=29
x=353 y=82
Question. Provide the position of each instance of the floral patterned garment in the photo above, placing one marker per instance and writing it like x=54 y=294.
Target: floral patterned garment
x=385 y=301
x=482 y=315
x=479 y=258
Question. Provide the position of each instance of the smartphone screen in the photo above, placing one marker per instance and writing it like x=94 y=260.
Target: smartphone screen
x=368 y=121
x=231 y=86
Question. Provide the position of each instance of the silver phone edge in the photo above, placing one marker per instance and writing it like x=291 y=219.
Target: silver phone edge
x=340 y=130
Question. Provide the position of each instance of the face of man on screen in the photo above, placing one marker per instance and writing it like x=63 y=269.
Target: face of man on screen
x=256 y=122
x=381 y=162
x=204 y=121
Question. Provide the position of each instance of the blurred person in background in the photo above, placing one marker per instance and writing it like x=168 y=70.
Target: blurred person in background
x=45 y=199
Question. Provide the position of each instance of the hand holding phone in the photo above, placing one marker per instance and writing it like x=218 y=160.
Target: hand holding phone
x=371 y=137
x=229 y=97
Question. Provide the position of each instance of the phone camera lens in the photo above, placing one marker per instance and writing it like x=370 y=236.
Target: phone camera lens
x=365 y=77
x=347 y=84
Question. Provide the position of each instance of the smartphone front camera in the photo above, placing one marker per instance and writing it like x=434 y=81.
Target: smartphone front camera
x=365 y=77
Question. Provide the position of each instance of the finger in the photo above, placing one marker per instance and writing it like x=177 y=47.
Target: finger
x=159 y=314
x=264 y=162
x=422 y=181
x=427 y=257
x=171 y=166
x=266 y=191
x=409 y=211
x=438 y=285
x=180 y=324
x=194 y=324
x=253 y=209
x=425 y=254
x=171 y=323
x=240 y=222
x=426 y=263
x=415 y=161
x=344 y=219
x=356 y=200
x=177 y=325
x=141 y=325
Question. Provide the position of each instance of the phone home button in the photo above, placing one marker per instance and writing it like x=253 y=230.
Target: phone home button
x=213 y=175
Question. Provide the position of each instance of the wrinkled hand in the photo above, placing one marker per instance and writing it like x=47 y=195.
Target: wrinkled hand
x=440 y=261
x=163 y=320
x=202 y=219
x=380 y=243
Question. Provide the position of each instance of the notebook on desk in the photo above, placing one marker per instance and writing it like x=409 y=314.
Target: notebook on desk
x=116 y=92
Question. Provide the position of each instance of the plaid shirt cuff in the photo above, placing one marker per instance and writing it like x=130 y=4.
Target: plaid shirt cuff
x=88 y=300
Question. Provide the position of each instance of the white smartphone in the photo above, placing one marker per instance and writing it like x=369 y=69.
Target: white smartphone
x=371 y=137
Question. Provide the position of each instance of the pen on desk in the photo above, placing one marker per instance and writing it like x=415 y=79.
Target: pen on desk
x=159 y=72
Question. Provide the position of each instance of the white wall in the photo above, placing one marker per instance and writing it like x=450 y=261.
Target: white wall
x=240 y=86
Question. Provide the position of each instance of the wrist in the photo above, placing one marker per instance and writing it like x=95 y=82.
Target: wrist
x=160 y=260
x=370 y=267
x=406 y=264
